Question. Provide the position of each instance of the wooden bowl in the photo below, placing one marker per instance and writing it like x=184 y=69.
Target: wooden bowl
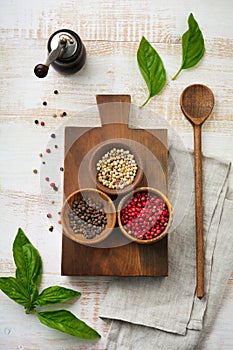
x=122 y=204
x=97 y=197
x=100 y=151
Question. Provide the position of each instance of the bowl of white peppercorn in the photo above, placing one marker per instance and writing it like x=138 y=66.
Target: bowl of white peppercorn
x=116 y=167
x=88 y=216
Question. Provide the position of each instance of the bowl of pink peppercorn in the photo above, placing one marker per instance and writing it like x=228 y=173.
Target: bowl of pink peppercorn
x=145 y=215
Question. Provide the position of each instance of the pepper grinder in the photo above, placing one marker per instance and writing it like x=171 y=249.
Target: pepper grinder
x=66 y=53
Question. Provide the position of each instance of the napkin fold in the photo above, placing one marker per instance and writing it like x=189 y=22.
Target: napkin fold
x=163 y=312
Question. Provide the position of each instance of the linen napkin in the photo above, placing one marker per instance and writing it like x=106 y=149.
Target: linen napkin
x=163 y=312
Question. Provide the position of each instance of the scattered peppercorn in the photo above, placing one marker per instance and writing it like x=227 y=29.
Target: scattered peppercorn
x=116 y=169
x=52 y=202
x=87 y=218
x=61 y=168
x=53 y=136
x=48 y=150
x=56 y=146
x=54 y=115
x=35 y=171
x=42 y=123
x=55 y=92
x=47 y=178
x=52 y=184
x=51 y=228
x=41 y=155
x=59 y=213
x=63 y=114
x=59 y=222
x=145 y=216
x=43 y=163
x=36 y=121
x=55 y=188
x=44 y=103
x=49 y=215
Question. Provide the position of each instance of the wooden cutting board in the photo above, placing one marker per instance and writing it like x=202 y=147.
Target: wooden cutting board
x=130 y=259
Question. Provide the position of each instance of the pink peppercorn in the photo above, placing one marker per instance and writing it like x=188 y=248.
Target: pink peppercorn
x=52 y=184
x=47 y=178
x=48 y=150
x=145 y=216
x=49 y=215
x=42 y=123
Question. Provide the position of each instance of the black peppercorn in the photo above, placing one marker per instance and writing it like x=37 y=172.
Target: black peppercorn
x=86 y=219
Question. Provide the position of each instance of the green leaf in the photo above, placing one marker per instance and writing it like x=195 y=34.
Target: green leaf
x=55 y=294
x=193 y=46
x=151 y=67
x=66 y=322
x=14 y=290
x=28 y=263
x=24 y=290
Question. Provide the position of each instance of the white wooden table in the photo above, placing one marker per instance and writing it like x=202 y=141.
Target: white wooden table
x=111 y=31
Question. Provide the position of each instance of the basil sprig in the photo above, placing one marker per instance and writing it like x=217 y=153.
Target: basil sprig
x=151 y=67
x=193 y=47
x=24 y=290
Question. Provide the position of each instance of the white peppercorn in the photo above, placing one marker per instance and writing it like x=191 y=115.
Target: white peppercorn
x=117 y=168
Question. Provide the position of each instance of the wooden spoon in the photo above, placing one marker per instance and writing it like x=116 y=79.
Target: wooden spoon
x=197 y=102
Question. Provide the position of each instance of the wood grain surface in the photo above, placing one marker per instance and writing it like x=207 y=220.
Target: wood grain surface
x=115 y=256
x=111 y=31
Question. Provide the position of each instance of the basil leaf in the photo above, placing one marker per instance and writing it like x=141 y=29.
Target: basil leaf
x=193 y=46
x=66 y=322
x=151 y=67
x=28 y=263
x=55 y=294
x=24 y=290
x=14 y=290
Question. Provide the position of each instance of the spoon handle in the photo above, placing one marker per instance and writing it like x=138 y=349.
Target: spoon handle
x=199 y=212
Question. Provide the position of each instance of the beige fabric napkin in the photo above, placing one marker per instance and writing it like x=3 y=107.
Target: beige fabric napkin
x=164 y=313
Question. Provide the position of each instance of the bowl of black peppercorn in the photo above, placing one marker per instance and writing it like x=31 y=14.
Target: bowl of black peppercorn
x=88 y=216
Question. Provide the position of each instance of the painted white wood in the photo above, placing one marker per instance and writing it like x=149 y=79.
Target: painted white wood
x=23 y=93
x=111 y=32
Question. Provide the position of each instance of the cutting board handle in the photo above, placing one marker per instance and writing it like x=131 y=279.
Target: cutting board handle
x=114 y=108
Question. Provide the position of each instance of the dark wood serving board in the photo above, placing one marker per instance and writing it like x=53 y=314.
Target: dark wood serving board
x=131 y=259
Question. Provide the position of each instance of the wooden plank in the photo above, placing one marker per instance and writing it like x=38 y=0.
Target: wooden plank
x=23 y=94
x=114 y=21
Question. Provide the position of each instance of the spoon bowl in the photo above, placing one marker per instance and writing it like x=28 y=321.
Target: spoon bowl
x=197 y=102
